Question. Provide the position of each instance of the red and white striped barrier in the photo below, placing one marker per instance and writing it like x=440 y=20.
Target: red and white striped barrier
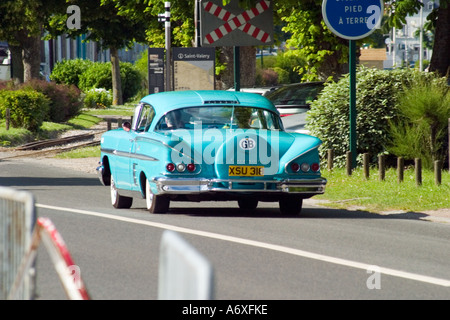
x=68 y=272
x=233 y=22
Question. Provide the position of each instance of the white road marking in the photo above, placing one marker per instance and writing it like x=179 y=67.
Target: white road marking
x=296 y=252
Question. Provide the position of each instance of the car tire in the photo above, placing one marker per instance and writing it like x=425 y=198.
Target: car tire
x=118 y=201
x=291 y=206
x=155 y=203
x=247 y=204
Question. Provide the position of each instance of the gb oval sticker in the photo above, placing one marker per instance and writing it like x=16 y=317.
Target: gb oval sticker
x=247 y=143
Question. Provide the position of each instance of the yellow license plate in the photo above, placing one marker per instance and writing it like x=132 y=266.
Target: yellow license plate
x=246 y=171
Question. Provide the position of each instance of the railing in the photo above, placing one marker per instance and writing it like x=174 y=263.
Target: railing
x=17 y=219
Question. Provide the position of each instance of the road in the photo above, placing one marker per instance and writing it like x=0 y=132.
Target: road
x=321 y=254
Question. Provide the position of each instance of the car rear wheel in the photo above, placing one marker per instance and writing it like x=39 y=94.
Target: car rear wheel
x=118 y=201
x=155 y=203
x=247 y=204
x=291 y=206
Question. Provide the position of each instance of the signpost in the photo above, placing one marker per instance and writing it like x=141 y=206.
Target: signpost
x=193 y=68
x=155 y=70
x=231 y=26
x=352 y=20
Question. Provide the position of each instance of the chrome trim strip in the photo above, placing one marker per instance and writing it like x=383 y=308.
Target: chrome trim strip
x=118 y=153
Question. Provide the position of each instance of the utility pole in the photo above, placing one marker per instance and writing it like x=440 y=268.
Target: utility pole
x=166 y=18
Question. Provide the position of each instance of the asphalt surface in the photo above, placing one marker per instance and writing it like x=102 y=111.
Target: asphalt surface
x=321 y=254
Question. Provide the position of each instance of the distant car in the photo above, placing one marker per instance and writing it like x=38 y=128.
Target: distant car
x=295 y=98
x=262 y=91
x=209 y=145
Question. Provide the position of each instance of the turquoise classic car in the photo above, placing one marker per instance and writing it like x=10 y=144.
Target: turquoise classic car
x=209 y=146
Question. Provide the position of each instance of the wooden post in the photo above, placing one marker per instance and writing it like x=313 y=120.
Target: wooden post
x=381 y=167
x=418 y=170
x=438 y=172
x=8 y=117
x=330 y=160
x=108 y=124
x=400 y=168
x=349 y=163
x=366 y=161
x=119 y=123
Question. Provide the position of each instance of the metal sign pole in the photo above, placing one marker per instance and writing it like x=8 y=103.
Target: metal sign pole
x=168 y=40
x=237 y=74
x=344 y=20
x=352 y=72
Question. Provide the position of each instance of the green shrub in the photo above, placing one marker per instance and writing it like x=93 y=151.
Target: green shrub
x=98 y=99
x=290 y=61
x=421 y=130
x=28 y=108
x=131 y=80
x=69 y=71
x=376 y=106
x=98 y=75
x=64 y=99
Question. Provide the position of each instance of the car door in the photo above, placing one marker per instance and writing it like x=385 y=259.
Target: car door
x=142 y=125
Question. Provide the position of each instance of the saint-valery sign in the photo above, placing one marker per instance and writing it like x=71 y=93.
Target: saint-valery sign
x=352 y=19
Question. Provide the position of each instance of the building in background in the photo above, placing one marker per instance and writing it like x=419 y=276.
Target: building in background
x=63 y=48
x=405 y=46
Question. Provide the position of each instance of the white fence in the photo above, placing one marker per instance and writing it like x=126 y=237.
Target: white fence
x=17 y=219
x=183 y=272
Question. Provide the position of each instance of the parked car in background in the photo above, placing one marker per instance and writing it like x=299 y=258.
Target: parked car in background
x=209 y=145
x=262 y=91
x=294 y=98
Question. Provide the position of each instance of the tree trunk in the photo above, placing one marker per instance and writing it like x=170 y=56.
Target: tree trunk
x=31 y=55
x=247 y=63
x=116 y=80
x=440 y=61
x=16 y=63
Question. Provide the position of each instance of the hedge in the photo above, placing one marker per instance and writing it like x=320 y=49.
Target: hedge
x=376 y=105
x=28 y=108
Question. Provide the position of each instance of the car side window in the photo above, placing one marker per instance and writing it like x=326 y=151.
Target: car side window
x=146 y=118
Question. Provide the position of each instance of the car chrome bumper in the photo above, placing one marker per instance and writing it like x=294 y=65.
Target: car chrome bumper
x=196 y=186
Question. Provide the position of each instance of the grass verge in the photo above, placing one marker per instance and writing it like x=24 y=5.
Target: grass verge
x=373 y=195
x=87 y=152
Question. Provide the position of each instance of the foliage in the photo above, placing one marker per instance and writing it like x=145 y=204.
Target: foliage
x=98 y=99
x=325 y=54
x=376 y=105
x=64 y=100
x=69 y=71
x=98 y=75
x=421 y=128
x=28 y=109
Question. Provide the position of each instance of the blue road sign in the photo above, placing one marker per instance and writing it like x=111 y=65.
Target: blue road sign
x=352 y=19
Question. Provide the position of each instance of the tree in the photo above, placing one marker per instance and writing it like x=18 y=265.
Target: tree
x=327 y=54
x=102 y=22
x=21 y=25
x=440 y=61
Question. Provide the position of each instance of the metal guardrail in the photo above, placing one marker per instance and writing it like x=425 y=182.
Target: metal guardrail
x=17 y=220
x=46 y=232
x=184 y=274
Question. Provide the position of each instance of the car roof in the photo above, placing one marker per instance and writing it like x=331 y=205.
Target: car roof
x=171 y=100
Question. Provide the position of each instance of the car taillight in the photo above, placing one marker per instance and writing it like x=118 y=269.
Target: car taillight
x=315 y=167
x=170 y=167
x=295 y=167
x=191 y=167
